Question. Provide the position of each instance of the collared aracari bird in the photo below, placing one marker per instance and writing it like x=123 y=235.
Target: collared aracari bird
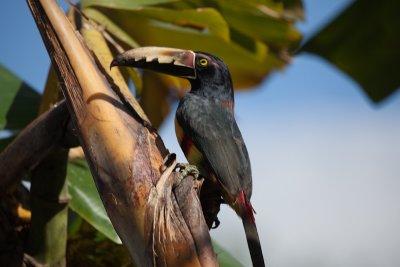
x=206 y=126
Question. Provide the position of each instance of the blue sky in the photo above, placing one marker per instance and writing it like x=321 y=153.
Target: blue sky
x=324 y=158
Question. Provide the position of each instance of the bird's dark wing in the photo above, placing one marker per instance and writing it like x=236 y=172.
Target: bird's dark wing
x=216 y=135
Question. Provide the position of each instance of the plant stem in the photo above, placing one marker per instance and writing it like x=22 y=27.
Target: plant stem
x=38 y=139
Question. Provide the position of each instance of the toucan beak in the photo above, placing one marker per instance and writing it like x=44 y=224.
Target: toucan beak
x=172 y=61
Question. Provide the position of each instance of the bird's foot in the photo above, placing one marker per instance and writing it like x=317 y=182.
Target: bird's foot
x=185 y=170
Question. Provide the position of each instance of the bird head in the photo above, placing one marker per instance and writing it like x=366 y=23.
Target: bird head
x=204 y=71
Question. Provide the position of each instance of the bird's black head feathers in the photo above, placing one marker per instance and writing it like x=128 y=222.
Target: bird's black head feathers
x=213 y=79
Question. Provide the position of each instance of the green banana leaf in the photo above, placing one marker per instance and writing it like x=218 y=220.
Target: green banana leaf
x=123 y=4
x=19 y=102
x=236 y=35
x=363 y=41
x=85 y=199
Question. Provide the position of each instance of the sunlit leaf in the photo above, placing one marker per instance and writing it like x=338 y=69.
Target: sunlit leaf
x=363 y=41
x=123 y=4
x=111 y=27
x=206 y=20
x=260 y=22
x=86 y=201
x=19 y=102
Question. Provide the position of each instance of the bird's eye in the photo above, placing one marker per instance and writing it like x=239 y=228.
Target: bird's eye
x=203 y=62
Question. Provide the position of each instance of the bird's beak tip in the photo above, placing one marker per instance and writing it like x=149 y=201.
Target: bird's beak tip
x=115 y=62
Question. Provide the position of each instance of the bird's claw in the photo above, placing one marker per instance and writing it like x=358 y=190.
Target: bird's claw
x=185 y=170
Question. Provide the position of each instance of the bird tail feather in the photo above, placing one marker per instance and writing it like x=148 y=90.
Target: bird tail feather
x=250 y=228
